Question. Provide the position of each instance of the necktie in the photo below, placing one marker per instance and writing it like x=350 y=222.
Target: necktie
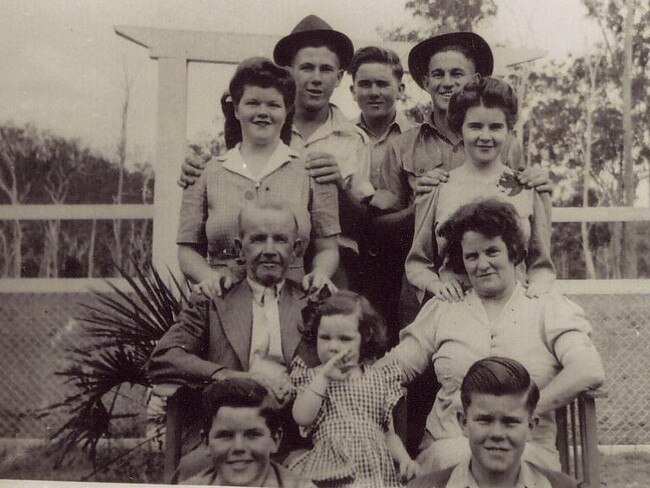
x=272 y=315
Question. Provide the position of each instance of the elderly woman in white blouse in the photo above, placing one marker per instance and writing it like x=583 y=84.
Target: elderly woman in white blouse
x=548 y=334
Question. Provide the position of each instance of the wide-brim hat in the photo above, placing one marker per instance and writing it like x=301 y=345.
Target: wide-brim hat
x=313 y=28
x=477 y=47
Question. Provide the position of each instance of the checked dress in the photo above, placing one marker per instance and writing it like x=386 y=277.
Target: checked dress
x=348 y=432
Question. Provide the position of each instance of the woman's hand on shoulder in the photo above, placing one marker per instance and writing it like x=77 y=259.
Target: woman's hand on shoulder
x=215 y=285
x=447 y=291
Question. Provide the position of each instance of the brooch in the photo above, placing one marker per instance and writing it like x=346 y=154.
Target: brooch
x=510 y=184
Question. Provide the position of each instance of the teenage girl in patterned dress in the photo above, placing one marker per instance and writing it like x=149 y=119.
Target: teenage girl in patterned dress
x=346 y=403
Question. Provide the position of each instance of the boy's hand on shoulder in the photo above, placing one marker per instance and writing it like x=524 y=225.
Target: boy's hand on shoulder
x=323 y=168
x=537 y=178
x=447 y=291
x=193 y=166
x=427 y=182
x=408 y=470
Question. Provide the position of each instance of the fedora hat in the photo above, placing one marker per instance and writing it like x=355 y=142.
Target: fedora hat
x=479 y=52
x=309 y=30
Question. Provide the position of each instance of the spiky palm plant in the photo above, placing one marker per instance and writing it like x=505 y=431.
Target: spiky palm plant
x=122 y=329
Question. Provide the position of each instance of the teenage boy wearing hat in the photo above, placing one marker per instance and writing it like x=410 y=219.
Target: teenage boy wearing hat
x=335 y=150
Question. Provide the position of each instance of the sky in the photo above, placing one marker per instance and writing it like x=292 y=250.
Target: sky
x=64 y=69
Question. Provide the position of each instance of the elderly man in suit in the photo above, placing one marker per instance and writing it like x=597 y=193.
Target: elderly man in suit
x=253 y=330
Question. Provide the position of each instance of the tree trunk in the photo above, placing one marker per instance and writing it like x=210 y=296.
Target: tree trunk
x=589 y=115
x=91 y=249
x=629 y=188
x=17 y=245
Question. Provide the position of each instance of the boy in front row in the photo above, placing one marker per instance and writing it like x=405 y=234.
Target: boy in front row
x=499 y=400
x=243 y=429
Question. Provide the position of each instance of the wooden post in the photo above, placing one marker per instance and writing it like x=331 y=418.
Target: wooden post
x=170 y=151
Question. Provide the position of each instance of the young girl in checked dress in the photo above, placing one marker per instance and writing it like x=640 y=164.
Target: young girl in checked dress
x=345 y=403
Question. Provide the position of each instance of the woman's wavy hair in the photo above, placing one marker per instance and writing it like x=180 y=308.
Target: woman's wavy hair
x=490 y=217
x=371 y=326
x=264 y=73
x=488 y=92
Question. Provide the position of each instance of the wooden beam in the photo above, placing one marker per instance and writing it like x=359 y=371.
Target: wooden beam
x=140 y=211
x=601 y=214
x=233 y=47
x=76 y=212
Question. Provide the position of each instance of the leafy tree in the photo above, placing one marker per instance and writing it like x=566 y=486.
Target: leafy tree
x=438 y=14
x=576 y=129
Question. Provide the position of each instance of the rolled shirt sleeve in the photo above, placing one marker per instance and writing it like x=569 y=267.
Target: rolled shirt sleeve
x=539 y=246
x=324 y=209
x=422 y=262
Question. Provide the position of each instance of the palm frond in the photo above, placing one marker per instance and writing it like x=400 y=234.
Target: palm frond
x=121 y=329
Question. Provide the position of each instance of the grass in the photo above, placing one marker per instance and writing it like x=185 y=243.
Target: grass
x=146 y=466
x=625 y=470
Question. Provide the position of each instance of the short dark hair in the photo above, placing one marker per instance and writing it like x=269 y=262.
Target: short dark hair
x=375 y=54
x=499 y=376
x=371 y=325
x=490 y=217
x=489 y=92
x=239 y=393
x=264 y=73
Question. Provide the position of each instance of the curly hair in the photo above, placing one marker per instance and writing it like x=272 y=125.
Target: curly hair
x=371 y=326
x=264 y=73
x=499 y=376
x=239 y=392
x=488 y=92
x=490 y=217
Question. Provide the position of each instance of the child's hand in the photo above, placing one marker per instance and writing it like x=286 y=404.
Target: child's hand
x=408 y=470
x=339 y=366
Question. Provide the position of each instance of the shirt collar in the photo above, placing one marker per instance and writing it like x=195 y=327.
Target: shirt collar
x=528 y=477
x=258 y=289
x=336 y=123
x=233 y=161
x=429 y=126
x=401 y=123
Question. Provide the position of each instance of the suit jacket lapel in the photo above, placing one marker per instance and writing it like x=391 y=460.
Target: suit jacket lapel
x=290 y=308
x=236 y=314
